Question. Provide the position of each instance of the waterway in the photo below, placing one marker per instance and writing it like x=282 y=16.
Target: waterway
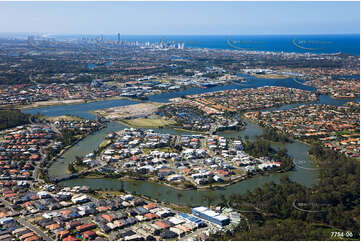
x=82 y=110
x=298 y=151
x=59 y=168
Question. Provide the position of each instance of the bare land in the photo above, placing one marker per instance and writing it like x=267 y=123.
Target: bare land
x=135 y=111
x=271 y=76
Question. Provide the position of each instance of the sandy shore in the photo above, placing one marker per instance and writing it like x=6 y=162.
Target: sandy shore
x=70 y=102
x=270 y=76
x=52 y=103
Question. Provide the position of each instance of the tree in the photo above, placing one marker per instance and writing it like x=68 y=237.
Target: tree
x=223 y=200
x=78 y=160
x=11 y=118
x=337 y=196
x=71 y=167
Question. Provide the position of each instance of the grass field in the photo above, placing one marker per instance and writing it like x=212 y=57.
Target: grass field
x=148 y=123
x=63 y=117
x=166 y=149
x=104 y=144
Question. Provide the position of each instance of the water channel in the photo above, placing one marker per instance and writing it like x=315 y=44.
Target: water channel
x=298 y=151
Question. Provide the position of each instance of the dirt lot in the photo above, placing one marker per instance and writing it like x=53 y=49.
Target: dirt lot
x=140 y=110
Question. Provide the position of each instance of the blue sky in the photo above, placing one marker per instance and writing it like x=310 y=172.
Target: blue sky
x=226 y=18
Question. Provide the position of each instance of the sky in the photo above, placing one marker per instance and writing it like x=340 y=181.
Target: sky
x=180 y=18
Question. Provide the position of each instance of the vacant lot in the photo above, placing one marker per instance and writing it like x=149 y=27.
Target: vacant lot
x=134 y=111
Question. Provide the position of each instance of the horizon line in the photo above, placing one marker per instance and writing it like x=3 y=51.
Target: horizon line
x=64 y=34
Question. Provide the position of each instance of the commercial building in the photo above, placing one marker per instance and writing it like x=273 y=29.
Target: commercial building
x=210 y=216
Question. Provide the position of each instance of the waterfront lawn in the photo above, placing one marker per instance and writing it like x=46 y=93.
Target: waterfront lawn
x=148 y=122
x=78 y=136
x=240 y=172
x=271 y=76
x=104 y=144
x=146 y=151
x=106 y=194
x=182 y=209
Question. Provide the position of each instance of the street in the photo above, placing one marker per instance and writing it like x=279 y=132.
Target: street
x=23 y=222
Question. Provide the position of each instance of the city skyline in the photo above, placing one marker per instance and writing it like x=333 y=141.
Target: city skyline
x=181 y=18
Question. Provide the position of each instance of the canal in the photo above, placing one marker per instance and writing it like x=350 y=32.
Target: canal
x=297 y=150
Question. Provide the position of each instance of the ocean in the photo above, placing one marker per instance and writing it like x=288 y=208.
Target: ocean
x=348 y=43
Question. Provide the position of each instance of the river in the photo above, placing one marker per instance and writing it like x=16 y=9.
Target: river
x=296 y=150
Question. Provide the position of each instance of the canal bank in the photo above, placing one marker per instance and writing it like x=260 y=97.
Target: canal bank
x=296 y=150
x=83 y=110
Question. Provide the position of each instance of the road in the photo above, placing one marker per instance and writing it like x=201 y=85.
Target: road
x=53 y=127
x=32 y=80
x=36 y=229
x=23 y=222
x=194 y=234
x=42 y=154
x=36 y=165
x=6 y=204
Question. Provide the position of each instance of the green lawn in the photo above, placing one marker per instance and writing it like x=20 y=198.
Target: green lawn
x=166 y=149
x=148 y=123
x=104 y=143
